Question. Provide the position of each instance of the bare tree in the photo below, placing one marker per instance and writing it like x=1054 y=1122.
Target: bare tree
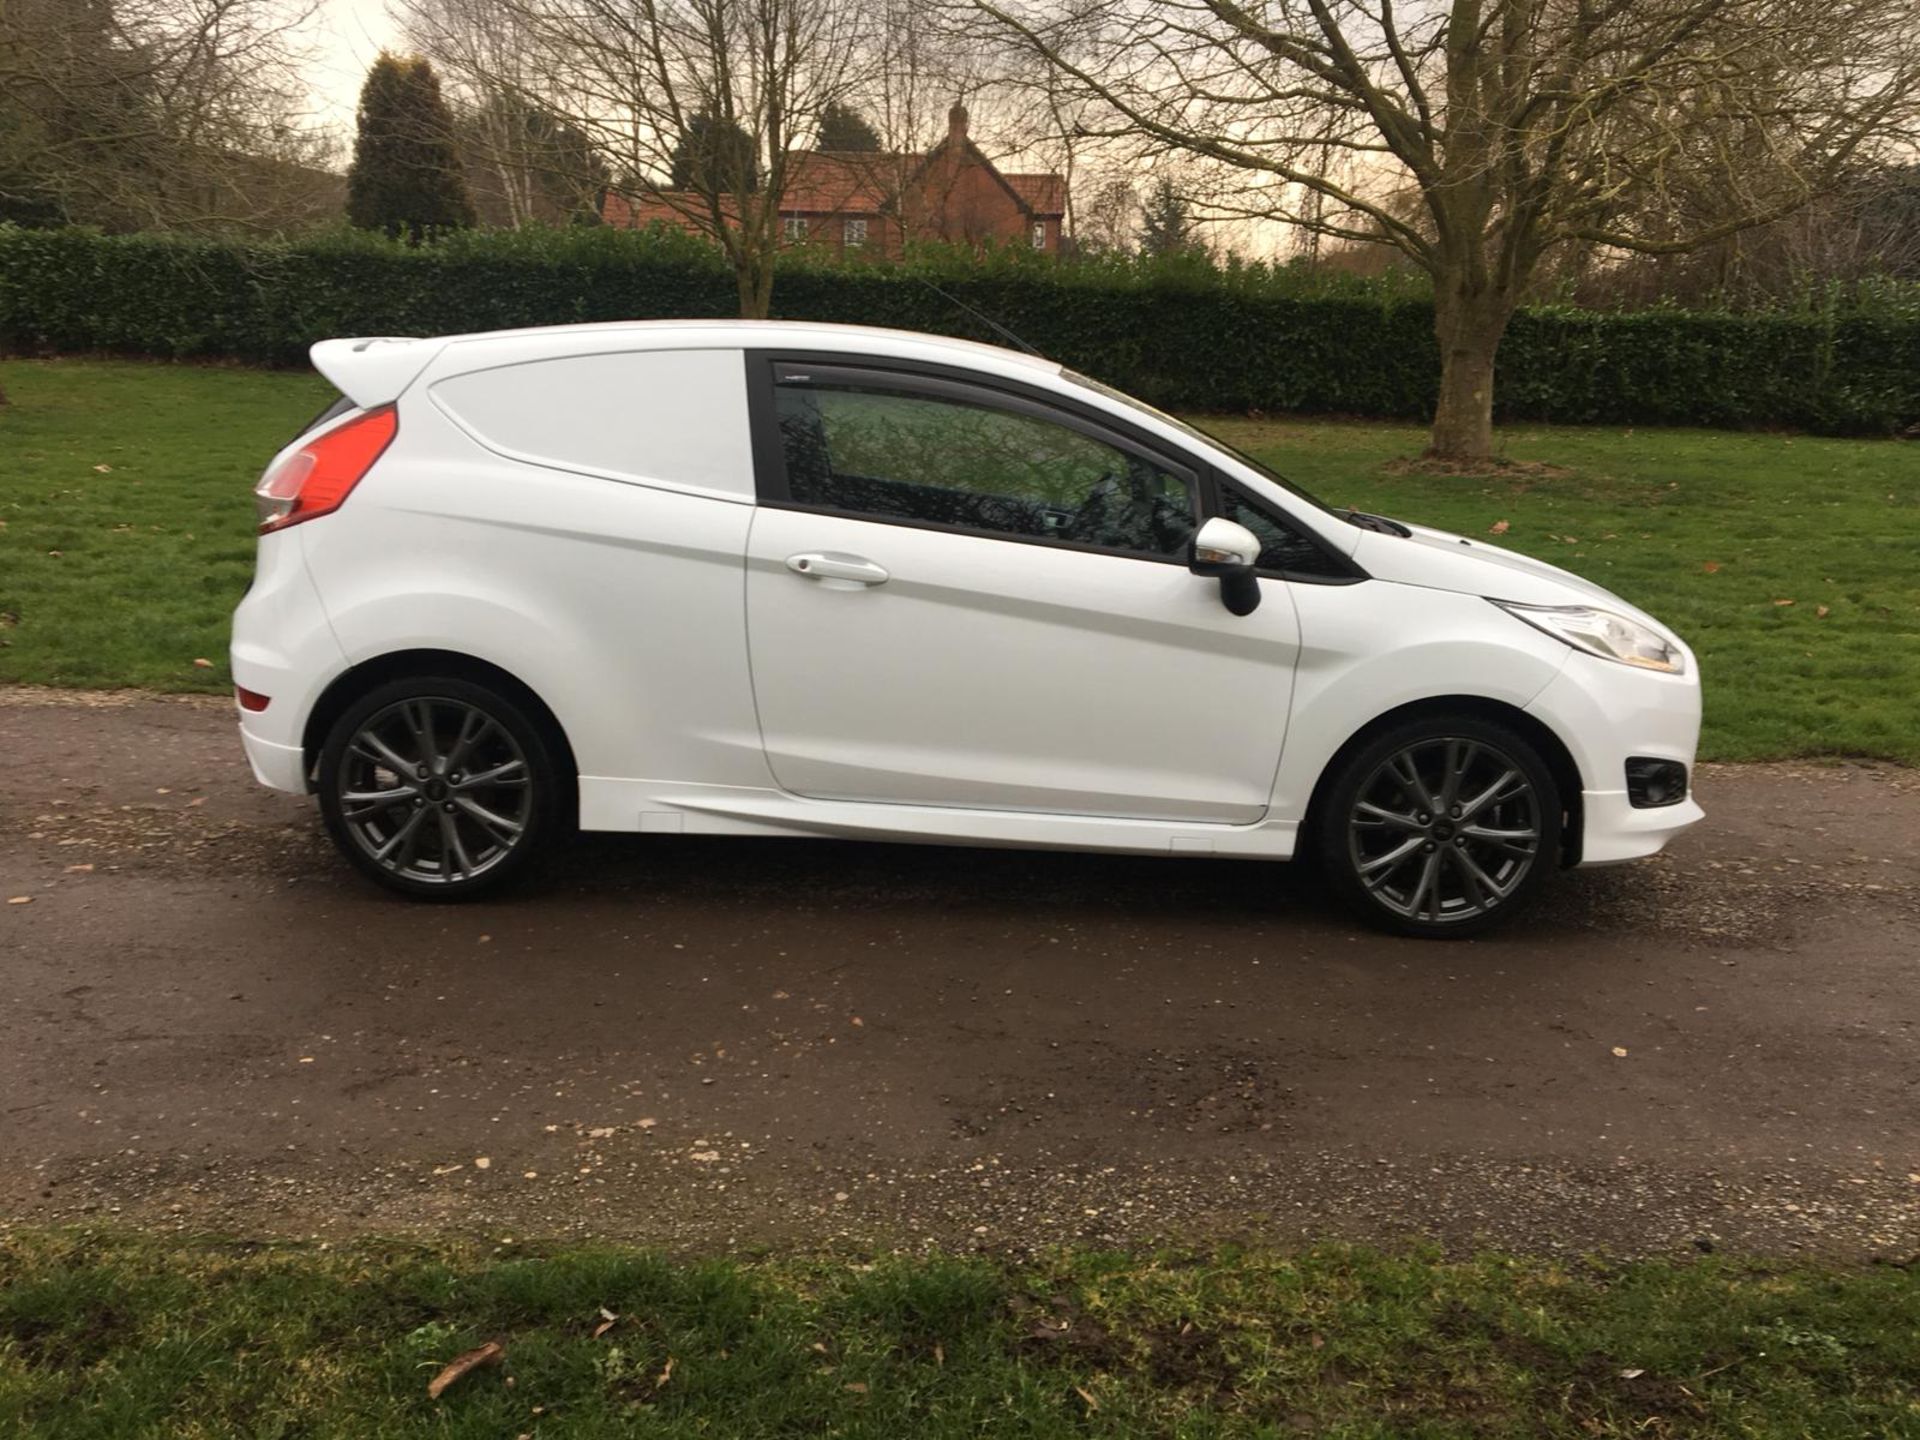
x=1106 y=215
x=151 y=113
x=524 y=164
x=1524 y=124
x=726 y=92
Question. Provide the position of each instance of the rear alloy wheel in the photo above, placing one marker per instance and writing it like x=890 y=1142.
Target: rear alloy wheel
x=1442 y=827
x=438 y=788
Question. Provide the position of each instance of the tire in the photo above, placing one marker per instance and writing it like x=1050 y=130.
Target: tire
x=1416 y=854
x=483 y=796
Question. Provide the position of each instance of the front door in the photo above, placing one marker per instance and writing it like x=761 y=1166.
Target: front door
x=963 y=596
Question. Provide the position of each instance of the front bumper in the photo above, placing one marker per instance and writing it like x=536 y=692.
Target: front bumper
x=1606 y=713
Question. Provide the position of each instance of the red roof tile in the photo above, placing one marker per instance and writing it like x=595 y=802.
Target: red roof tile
x=1044 y=194
x=843 y=182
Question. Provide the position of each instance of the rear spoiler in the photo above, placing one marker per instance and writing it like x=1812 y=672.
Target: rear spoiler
x=373 y=370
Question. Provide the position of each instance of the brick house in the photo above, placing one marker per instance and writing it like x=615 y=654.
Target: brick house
x=878 y=200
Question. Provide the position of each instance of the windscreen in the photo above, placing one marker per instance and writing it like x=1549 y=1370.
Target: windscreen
x=1196 y=433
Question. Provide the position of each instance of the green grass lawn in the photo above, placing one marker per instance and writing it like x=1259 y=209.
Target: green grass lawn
x=128 y=537
x=115 y=1336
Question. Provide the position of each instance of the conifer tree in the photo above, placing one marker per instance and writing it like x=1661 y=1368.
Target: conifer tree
x=406 y=177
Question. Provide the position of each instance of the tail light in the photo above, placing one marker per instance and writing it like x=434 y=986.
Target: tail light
x=315 y=479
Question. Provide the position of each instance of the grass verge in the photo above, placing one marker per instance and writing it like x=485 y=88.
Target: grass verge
x=116 y=1335
x=128 y=536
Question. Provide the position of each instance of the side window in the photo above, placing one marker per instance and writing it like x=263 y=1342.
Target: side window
x=902 y=456
x=1282 y=546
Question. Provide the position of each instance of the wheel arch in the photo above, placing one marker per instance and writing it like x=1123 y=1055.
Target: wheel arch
x=350 y=685
x=1566 y=774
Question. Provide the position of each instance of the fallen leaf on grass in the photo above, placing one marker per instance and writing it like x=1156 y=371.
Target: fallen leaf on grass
x=1712 y=567
x=660 y=1380
x=103 y=469
x=1631 y=1374
x=1820 y=612
x=607 y=1321
x=202 y=663
x=21 y=900
x=491 y=1353
x=1783 y=602
x=1086 y=1395
x=481 y=1162
x=1499 y=527
x=858 y=1387
x=1620 y=1051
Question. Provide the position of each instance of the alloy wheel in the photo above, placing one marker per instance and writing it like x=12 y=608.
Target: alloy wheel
x=1444 y=830
x=435 y=790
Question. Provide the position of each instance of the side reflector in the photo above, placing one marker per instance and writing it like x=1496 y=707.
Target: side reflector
x=249 y=699
x=315 y=479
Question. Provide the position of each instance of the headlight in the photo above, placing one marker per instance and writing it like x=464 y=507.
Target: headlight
x=1603 y=633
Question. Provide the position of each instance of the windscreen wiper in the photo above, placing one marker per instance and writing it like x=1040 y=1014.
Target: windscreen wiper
x=1377 y=522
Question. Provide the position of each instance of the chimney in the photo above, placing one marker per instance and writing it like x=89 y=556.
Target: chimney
x=957 y=124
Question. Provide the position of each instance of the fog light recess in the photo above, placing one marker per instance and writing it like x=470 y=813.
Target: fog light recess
x=1653 y=783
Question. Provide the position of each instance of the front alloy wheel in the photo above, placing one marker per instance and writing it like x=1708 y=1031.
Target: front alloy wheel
x=436 y=788
x=1443 y=828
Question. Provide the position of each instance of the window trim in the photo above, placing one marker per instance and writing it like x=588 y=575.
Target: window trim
x=941 y=383
x=1206 y=478
x=847 y=236
x=1352 y=575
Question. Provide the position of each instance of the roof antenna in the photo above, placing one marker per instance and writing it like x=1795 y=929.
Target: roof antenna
x=984 y=318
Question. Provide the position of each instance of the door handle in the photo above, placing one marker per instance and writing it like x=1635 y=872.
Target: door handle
x=818 y=565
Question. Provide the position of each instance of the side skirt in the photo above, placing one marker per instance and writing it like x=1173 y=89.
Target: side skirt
x=663 y=807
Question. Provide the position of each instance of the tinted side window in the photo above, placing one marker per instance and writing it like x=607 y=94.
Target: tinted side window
x=1282 y=546
x=902 y=456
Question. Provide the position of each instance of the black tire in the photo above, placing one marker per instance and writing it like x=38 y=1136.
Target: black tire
x=1464 y=872
x=361 y=756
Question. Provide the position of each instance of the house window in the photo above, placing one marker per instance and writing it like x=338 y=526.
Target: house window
x=1039 y=234
x=854 y=232
x=795 y=229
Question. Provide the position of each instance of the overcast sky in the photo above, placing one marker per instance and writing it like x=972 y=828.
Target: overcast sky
x=345 y=35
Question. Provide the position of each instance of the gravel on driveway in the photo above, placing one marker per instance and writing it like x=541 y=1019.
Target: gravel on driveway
x=206 y=1021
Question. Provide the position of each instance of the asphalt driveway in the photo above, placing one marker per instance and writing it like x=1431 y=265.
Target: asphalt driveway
x=206 y=1021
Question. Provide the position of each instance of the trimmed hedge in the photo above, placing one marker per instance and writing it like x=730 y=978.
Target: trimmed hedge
x=1181 y=333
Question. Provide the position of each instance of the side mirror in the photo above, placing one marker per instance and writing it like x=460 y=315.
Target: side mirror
x=1227 y=549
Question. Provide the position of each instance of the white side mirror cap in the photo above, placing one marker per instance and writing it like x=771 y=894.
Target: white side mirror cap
x=1224 y=545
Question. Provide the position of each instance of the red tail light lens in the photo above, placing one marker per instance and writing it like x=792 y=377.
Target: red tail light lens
x=315 y=479
x=251 y=699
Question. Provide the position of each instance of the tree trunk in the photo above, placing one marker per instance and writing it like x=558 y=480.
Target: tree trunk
x=1469 y=328
x=753 y=274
